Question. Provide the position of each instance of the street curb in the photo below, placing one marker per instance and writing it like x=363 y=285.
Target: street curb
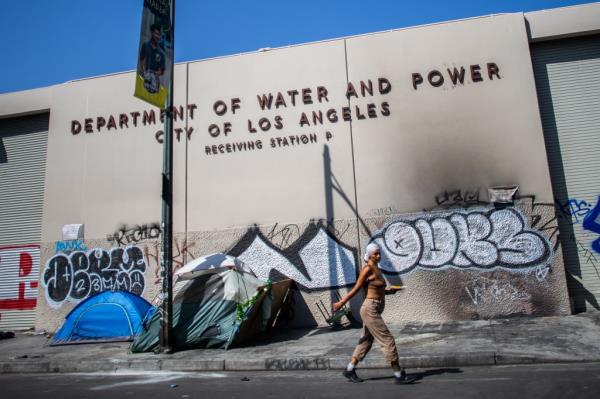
x=25 y=366
x=275 y=363
x=191 y=365
x=515 y=358
x=423 y=361
x=298 y=363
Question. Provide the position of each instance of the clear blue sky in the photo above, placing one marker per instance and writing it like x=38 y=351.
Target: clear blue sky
x=47 y=42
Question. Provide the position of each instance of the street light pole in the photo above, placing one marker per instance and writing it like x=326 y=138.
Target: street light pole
x=166 y=336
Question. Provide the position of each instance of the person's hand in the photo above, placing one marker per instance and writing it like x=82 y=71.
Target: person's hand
x=392 y=289
x=337 y=306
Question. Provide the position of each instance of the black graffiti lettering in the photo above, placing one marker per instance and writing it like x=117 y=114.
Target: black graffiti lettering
x=459 y=197
x=127 y=235
x=297 y=364
x=95 y=284
x=84 y=274
x=136 y=282
x=58 y=278
x=99 y=260
x=133 y=259
x=122 y=282
x=117 y=259
x=81 y=280
x=81 y=286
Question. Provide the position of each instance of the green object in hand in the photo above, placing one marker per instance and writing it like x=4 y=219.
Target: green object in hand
x=336 y=316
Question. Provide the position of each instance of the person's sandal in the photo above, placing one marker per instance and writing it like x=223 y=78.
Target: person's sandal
x=351 y=375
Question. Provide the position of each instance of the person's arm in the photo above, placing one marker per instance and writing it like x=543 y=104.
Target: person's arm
x=362 y=277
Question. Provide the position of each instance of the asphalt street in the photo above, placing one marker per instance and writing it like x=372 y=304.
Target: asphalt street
x=580 y=380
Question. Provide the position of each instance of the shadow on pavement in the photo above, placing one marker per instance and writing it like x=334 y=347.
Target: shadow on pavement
x=275 y=336
x=421 y=375
x=282 y=335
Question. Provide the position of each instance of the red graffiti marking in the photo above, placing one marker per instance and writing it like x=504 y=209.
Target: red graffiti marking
x=25 y=264
x=24 y=289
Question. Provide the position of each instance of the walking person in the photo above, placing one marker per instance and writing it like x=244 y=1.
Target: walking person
x=374 y=328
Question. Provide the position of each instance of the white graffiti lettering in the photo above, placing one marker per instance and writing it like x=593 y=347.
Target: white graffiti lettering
x=314 y=261
x=474 y=238
x=488 y=291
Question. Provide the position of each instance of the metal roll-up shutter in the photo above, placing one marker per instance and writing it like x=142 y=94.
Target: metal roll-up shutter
x=567 y=74
x=23 y=144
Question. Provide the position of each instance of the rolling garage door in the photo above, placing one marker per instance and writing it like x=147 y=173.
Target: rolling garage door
x=567 y=76
x=23 y=143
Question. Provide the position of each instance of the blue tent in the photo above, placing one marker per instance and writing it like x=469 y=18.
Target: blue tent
x=107 y=316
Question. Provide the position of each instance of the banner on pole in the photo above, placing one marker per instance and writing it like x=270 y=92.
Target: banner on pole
x=155 y=53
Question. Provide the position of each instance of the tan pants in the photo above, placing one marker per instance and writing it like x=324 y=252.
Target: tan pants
x=374 y=328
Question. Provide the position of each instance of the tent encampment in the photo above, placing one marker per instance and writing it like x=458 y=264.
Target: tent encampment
x=211 y=264
x=107 y=316
x=213 y=310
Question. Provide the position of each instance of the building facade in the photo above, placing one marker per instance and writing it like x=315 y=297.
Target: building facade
x=293 y=159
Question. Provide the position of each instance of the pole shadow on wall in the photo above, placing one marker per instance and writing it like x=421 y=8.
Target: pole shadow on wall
x=332 y=185
x=542 y=55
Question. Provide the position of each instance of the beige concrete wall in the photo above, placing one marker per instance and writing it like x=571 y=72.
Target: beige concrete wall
x=583 y=19
x=25 y=102
x=111 y=177
x=455 y=136
x=305 y=210
x=273 y=184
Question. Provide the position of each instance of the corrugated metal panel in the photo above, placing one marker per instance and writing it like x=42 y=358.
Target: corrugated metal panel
x=23 y=143
x=567 y=76
x=19 y=276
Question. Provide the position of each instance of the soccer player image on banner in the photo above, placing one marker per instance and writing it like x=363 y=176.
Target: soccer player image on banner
x=155 y=58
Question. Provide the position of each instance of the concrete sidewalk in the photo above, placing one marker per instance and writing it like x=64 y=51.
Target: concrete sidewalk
x=464 y=343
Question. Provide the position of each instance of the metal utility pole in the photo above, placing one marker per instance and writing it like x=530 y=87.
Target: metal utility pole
x=166 y=333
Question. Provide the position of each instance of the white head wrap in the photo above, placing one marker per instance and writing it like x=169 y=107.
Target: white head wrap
x=371 y=248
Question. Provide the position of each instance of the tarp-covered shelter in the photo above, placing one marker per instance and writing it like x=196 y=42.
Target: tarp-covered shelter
x=107 y=316
x=214 y=310
x=210 y=264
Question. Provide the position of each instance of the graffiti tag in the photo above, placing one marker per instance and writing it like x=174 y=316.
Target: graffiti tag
x=486 y=290
x=133 y=234
x=81 y=274
x=315 y=260
x=181 y=255
x=575 y=209
x=590 y=222
x=69 y=246
x=19 y=267
x=479 y=238
x=458 y=197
